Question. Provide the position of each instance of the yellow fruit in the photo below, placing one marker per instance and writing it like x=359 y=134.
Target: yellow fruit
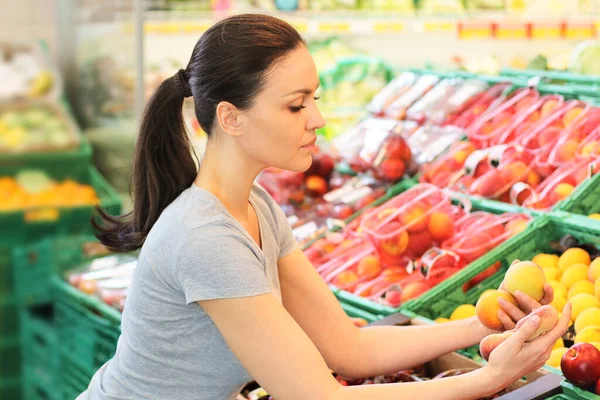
x=594 y=270
x=588 y=335
x=559 y=344
x=594 y=216
x=527 y=277
x=556 y=356
x=588 y=317
x=546 y=260
x=574 y=273
x=597 y=288
x=580 y=287
x=462 y=312
x=596 y=344
x=551 y=274
x=559 y=303
x=573 y=256
x=441 y=320
x=559 y=289
x=582 y=302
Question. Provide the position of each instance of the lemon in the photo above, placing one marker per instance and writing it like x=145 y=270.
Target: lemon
x=594 y=270
x=462 y=312
x=552 y=274
x=573 y=256
x=588 y=334
x=597 y=288
x=559 y=344
x=556 y=356
x=546 y=260
x=582 y=302
x=559 y=303
x=580 y=287
x=587 y=317
x=574 y=273
x=441 y=320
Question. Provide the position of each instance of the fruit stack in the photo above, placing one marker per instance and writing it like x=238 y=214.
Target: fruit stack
x=406 y=246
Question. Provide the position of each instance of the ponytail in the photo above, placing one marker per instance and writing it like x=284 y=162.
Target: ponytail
x=163 y=167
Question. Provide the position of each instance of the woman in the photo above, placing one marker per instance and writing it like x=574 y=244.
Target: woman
x=222 y=294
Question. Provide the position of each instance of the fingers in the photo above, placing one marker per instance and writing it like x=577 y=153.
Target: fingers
x=548 y=295
x=550 y=338
x=506 y=321
x=502 y=286
x=526 y=302
x=511 y=310
x=524 y=332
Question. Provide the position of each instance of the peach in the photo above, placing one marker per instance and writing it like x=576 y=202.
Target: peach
x=415 y=219
x=441 y=226
x=561 y=192
x=419 y=243
x=566 y=151
x=527 y=277
x=487 y=308
x=369 y=267
x=394 y=274
x=316 y=186
x=346 y=278
x=571 y=116
x=548 y=107
x=516 y=226
x=489 y=343
x=592 y=148
x=413 y=290
x=397 y=244
x=548 y=320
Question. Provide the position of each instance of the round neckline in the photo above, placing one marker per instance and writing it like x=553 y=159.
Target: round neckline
x=259 y=217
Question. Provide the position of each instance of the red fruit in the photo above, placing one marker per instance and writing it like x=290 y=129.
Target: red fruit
x=394 y=274
x=316 y=186
x=598 y=387
x=393 y=298
x=419 y=243
x=392 y=169
x=413 y=290
x=314 y=255
x=326 y=166
x=342 y=211
x=358 y=164
x=581 y=365
x=296 y=198
x=364 y=201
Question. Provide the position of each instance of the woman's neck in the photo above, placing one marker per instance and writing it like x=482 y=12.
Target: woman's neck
x=228 y=175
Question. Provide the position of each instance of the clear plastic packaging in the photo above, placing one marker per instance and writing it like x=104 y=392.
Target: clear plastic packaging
x=485 y=102
x=398 y=108
x=392 y=92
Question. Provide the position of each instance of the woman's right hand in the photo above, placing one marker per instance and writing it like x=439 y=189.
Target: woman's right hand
x=515 y=357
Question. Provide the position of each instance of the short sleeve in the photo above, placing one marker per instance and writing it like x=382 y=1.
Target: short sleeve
x=218 y=261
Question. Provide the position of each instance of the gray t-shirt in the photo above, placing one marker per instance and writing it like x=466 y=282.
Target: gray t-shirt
x=169 y=347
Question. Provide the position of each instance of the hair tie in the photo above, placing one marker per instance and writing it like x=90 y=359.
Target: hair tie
x=183 y=84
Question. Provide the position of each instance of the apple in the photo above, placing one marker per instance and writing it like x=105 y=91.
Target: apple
x=342 y=211
x=316 y=186
x=581 y=365
x=392 y=169
x=598 y=387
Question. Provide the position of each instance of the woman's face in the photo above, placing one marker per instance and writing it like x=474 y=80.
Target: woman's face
x=279 y=129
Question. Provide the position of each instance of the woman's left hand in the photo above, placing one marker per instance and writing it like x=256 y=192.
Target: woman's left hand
x=509 y=314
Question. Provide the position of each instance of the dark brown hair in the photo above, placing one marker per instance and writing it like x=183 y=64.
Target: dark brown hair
x=229 y=63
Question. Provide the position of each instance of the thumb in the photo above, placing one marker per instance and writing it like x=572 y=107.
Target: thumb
x=526 y=329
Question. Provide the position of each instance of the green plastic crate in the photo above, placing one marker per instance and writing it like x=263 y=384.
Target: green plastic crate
x=10 y=358
x=376 y=308
x=37 y=385
x=63 y=163
x=10 y=388
x=74 y=377
x=9 y=317
x=88 y=328
x=574 y=393
x=39 y=341
x=442 y=300
x=584 y=199
x=69 y=221
x=35 y=265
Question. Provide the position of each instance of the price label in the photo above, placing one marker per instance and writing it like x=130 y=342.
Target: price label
x=470 y=31
x=196 y=28
x=388 y=27
x=546 y=31
x=334 y=27
x=301 y=27
x=580 y=31
x=439 y=27
x=512 y=31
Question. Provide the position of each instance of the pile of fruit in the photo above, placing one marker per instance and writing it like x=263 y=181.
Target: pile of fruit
x=574 y=276
x=34 y=189
x=34 y=128
x=23 y=74
x=406 y=246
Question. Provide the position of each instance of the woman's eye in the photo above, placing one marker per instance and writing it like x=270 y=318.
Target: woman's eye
x=317 y=98
x=295 y=109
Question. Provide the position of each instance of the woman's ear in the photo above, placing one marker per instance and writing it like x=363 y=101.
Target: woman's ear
x=230 y=118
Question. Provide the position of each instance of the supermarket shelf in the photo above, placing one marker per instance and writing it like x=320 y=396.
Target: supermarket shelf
x=482 y=26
